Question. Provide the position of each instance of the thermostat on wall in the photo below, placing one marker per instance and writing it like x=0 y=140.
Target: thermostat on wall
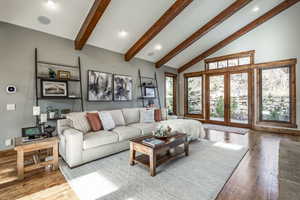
x=11 y=89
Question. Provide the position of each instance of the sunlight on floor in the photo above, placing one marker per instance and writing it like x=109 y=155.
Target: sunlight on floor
x=93 y=186
x=223 y=145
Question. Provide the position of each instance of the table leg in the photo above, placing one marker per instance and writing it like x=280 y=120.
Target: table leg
x=55 y=156
x=20 y=164
x=132 y=155
x=186 y=148
x=152 y=161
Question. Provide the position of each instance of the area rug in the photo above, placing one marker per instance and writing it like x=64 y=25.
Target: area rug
x=242 y=131
x=200 y=176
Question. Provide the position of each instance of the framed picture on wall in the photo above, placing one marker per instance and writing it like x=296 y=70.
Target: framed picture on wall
x=53 y=88
x=100 y=86
x=150 y=92
x=123 y=86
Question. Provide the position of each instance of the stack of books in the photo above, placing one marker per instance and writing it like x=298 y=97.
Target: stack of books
x=153 y=142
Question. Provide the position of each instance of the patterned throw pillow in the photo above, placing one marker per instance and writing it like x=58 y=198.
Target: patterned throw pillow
x=94 y=121
x=147 y=116
x=107 y=120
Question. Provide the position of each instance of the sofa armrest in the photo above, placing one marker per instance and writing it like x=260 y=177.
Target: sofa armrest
x=73 y=146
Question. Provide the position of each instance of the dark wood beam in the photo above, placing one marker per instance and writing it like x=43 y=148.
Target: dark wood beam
x=262 y=19
x=159 y=25
x=90 y=22
x=221 y=17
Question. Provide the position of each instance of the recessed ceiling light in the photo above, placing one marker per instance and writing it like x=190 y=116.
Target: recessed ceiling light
x=51 y=4
x=158 y=47
x=255 y=9
x=122 y=33
x=44 y=20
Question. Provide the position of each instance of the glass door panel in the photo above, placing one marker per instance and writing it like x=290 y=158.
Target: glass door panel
x=216 y=98
x=239 y=99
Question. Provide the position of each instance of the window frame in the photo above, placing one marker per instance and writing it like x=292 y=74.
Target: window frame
x=237 y=56
x=292 y=85
x=186 y=77
x=174 y=76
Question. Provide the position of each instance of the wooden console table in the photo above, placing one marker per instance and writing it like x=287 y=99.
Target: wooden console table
x=24 y=147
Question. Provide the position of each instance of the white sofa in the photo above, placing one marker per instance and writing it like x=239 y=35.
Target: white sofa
x=79 y=145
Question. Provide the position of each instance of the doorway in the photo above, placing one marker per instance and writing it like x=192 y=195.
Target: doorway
x=229 y=98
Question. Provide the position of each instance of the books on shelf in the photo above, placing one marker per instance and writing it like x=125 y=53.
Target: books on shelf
x=152 y=142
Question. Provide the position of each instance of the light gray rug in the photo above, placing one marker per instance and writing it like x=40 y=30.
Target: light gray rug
x=242 y=131
x=200 y=176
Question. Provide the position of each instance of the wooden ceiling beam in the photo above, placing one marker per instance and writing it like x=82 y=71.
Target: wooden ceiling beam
x=90 y=22
x=262 y=19
x=217 y=20
x=159 y=25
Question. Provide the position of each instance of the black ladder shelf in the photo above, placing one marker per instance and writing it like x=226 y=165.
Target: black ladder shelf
x=142 y=80
x=39 y=77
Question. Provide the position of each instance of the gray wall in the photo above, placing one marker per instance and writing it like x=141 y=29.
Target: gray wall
x=17 y=67
x=277 y=39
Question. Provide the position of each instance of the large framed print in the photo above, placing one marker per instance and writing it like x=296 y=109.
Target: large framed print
x=100 y=86
x=123 y=86
x=54 y=88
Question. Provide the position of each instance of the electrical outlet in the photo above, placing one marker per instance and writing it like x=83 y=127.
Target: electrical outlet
x=11 y=107
x=8 y=142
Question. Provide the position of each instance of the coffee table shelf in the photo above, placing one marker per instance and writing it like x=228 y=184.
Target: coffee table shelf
x=152 y=157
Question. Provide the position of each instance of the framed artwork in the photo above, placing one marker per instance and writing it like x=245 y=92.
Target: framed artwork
x=54 y=88
x=123 y=88
x=63 y=74
x=150 y=92
x=100 y=86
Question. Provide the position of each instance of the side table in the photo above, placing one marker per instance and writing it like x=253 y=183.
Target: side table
x=23 y=147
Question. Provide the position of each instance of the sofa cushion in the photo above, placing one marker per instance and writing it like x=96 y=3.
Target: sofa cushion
x=127 y=133
x=94 y=121
x=95 y=139
x=118 y=117
x=107 y=121
x=146 y=128
x=146 y=115
x=131 y=115
x=79 y=121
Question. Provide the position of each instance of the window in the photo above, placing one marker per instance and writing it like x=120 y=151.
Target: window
x=170 y=93
x=233 y=60
x=194 y=95
x=277 y=95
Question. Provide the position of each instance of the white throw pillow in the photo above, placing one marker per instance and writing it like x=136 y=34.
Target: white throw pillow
x=107 y=120
x=147 y=116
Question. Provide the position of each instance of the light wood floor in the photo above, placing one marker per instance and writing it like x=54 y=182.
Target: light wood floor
x=254 y=179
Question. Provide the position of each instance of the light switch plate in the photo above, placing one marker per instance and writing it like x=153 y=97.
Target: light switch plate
x=11 y=107
x=8 y=142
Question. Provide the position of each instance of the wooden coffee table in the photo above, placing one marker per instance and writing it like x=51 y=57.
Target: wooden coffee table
x=152 y=157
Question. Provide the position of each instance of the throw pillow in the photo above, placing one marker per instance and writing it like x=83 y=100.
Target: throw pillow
x=107 y=120
x=147 y=116
x=157 y=115
x=94 y=121
x=164 y=114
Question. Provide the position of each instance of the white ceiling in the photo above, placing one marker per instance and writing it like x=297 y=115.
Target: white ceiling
x=135 y=17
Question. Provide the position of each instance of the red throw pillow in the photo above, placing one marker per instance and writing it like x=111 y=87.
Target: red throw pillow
x=94 y=121
x=157 y=115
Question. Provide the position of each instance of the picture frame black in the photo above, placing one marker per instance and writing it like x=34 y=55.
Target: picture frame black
x=116 y=88
x=59 y=84
x=89 y=87
x=149 y=90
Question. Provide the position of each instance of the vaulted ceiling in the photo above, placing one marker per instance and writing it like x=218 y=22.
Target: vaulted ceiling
x=125 y=21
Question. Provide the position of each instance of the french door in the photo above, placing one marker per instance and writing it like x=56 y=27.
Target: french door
x=229 y=98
